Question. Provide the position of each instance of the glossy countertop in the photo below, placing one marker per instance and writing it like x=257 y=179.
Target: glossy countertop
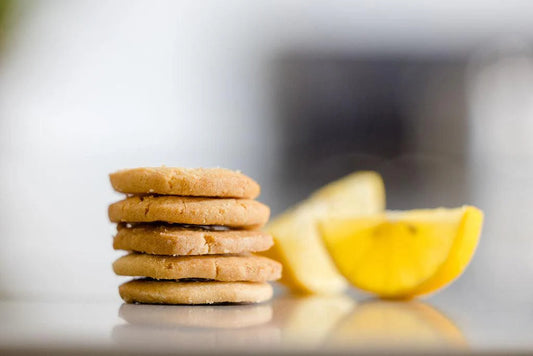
x=288 y=323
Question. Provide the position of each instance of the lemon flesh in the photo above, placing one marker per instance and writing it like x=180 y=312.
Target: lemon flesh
x=307 y=266
x=403 y=254
x=462 y=251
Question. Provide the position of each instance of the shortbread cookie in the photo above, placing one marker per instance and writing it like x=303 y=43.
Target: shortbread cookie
x=203 y=182
x=201 y=316
x=179 y=241
x=226 y=268
x=172 y=292
x=243 y=213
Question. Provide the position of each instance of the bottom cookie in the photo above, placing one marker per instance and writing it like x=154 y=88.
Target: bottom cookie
x=174 y=292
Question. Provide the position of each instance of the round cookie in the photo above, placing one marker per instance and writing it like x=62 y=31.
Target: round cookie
x=179 y=241
x=229 y=317
x=225 y=268
x=171 y=292
x=243 y=213
x=203 y=182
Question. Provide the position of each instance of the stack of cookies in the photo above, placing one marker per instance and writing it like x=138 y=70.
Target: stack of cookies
x=191 y=234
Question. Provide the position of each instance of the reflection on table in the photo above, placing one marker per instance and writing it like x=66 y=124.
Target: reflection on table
x=289 y=323
x=396 y=325
x=206 y=316
x=306 y=322
x=165 y=327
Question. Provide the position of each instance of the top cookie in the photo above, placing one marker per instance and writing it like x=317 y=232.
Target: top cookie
x=201 y=182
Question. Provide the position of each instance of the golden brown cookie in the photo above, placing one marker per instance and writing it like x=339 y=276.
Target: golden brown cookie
x=203 y=182
x=243 y=213
x=172 y=292
x=180 y=241
x=226 y=268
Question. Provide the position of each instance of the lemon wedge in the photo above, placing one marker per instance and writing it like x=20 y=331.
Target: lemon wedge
x=403 y=254
x=307 y=266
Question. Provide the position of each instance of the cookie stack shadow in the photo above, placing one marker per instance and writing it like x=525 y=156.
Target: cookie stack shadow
x=192 y=234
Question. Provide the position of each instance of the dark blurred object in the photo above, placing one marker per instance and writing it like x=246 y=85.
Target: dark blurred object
x=404 y=117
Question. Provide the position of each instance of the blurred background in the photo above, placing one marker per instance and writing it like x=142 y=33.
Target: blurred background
x=436 y=96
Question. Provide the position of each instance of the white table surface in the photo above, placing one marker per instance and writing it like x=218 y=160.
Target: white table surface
x=287 y=323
